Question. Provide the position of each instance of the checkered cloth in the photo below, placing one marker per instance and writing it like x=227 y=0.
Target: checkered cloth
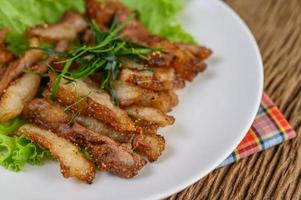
x=269 y=128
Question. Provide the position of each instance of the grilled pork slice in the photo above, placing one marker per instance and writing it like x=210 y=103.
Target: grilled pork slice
x=17 y=95
x=2 y=70
x=184 y=59
x=67 y=29
x=186 y=64
x=72 y=162
x=97 y=103
x=102 y=16
x=160 y=79
x=16 y=68
x=151 y=115
x=106 y=153
x=129 y=94
x=128 y=63
x=5 y=56
x=148 y=145
x=99 y=127
x=198 y=51
x=24 y=89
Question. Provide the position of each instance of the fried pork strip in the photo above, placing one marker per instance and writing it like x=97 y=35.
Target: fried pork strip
x=16 y=68
x=102 y=14
x=130 y=94
x=72 y=162
x=2 y=70
x=97 y=103
x=17 y=95
x=148 y=145
x=24 y=89
x=198 y=51
x=67 y=29
x=106 y=153
x=150 y=115
x=5 y=56
x=159 y=80
x=185 y=60
x=179 y=83
x=101 y=128
x=128 y=63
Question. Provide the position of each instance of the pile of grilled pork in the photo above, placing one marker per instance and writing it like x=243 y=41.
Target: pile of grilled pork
x=119 y=139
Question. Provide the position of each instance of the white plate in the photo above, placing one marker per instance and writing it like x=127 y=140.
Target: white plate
x=214 y=114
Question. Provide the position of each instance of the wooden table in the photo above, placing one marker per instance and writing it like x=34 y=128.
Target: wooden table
x=274 y=173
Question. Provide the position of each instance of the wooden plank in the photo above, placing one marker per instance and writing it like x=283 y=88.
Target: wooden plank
x=274 y=173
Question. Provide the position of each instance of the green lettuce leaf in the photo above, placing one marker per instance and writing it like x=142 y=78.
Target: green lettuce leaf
x=16 y=151
x=160 y=17
x=10 y=126
x=19 y=15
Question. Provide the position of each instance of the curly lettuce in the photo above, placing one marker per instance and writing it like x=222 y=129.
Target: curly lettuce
x=16 y=151
x=161 y=17
x=10 y=126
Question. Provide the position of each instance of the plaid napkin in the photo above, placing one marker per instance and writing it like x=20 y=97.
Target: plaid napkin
x=269 y=128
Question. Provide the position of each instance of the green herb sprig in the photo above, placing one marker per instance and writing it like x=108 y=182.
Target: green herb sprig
x=102 y=57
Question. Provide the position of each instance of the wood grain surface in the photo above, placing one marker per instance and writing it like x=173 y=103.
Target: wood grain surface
x=274 y=173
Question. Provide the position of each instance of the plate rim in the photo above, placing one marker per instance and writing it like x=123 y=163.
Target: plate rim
x=252 y=116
